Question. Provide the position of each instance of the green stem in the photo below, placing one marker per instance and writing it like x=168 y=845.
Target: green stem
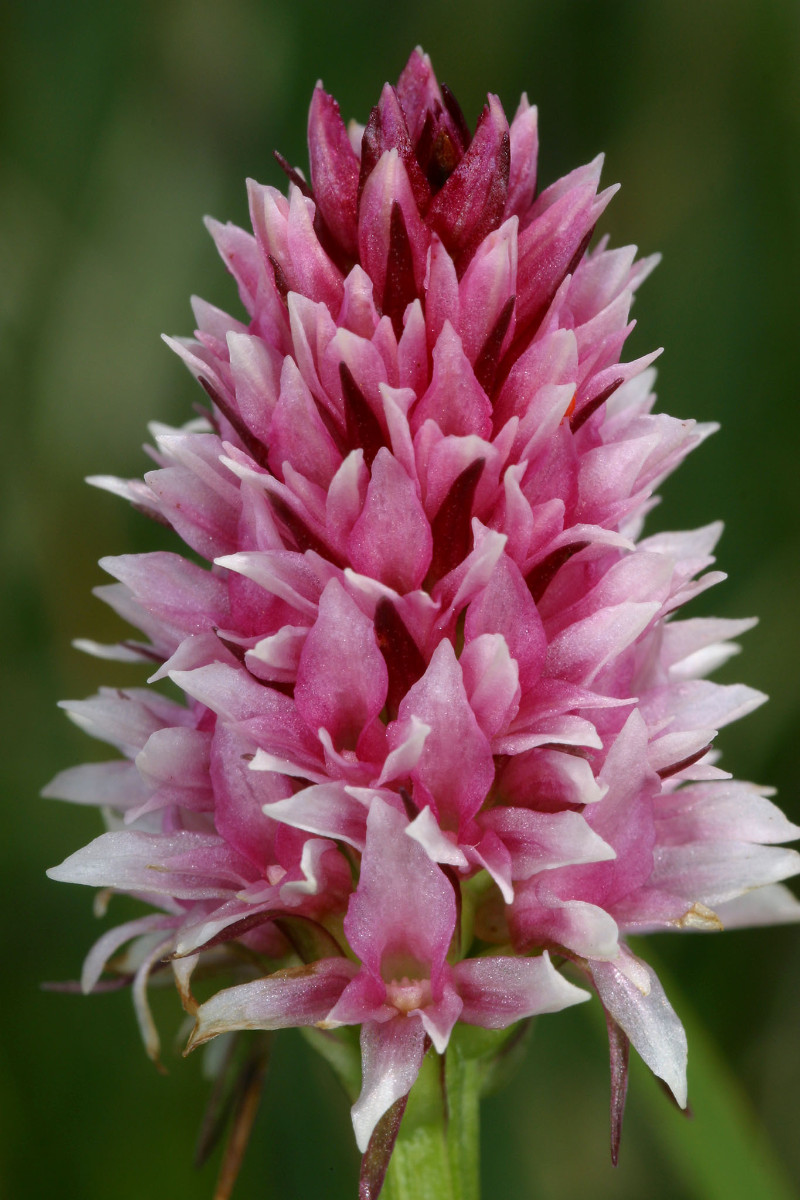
x=437 y=1153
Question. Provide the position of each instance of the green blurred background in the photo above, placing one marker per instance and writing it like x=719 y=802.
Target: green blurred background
x=121 y=125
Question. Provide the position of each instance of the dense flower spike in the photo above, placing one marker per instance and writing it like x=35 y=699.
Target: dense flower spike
x=429 y=654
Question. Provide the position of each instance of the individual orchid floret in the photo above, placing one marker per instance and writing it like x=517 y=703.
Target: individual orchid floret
x=404 y=995
x=443 y=740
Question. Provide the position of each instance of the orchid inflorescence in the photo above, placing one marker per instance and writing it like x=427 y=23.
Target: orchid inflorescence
x=443 y=736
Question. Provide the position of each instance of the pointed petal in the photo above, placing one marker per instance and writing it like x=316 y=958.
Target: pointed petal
x=334 y=169
x=391 y=540
x=618 y=1049
x=328 y=809
x=107 y=945
x=770 y=905
x=491 y=678
x=294 y=996
x=409 y=912
x=499 y=991
x=648 y=1019
x=542 y=841
x=436 y=844
x=713 y=872
x=341 y=677
x=505 y=607
x=391 y=1055
x=455 y=400
x=183 y=865
x=524 y=152
x=471 y=203
x=456 y=765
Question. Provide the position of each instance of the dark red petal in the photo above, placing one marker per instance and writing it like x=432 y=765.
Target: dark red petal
x=591 y=406
x=386 y=129
x=256 y=449
x=403 y=658
x=471 y=203
x=457 y=116
x=375 y=1162
x=619 y=1049
x=452 y=525
x=542 y=575
x=334 y=169
x=299 y=532
x=417 y=91
x=363 y=427
x=400 y=287
x=489 y=356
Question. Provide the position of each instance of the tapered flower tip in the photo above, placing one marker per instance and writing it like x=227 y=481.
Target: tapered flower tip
x=334 y=169
x=289 y=997
x=496 y=992
x=632 y=994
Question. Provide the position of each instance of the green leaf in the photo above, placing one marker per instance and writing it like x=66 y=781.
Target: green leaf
x=722 y=1151
x=436 y=1156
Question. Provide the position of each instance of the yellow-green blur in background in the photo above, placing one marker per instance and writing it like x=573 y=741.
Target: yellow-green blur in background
x=122 y=124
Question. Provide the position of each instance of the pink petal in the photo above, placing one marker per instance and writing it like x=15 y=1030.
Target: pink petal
x=505 y=607
x=488 y=283
x=346 y=497
x=721 y=811
x=297 y=432
x=439 y=1018
x=189 y=866
x=95 y=962
x=541 y=841
x=437 y=845
x=456 y=765
x=341 y=677
x=387 y=129
x=391 y=540
x=585 y=647
x=713 y=872
x=496 y=992
x=441 y=292
x=491 y=679
x=524 y=152
x=184 y=595
x=550 y=777
x=126 y=719
x=334 y=169
x=455 y=400
x=241 y=795
x=358 y=312
x=255 y=370
x=295 y=996
x=408 y=745
x=239 y=252
x=538 y=917
x=113 y=784
x=329 y=809
x=391 y=1056
x=472 y=200
x=386 y=188
x=418 y=91
x=646 y=1016
x=404 y=917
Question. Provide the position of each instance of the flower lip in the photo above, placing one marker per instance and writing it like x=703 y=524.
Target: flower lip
x=407 y=995
x=399 y=966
